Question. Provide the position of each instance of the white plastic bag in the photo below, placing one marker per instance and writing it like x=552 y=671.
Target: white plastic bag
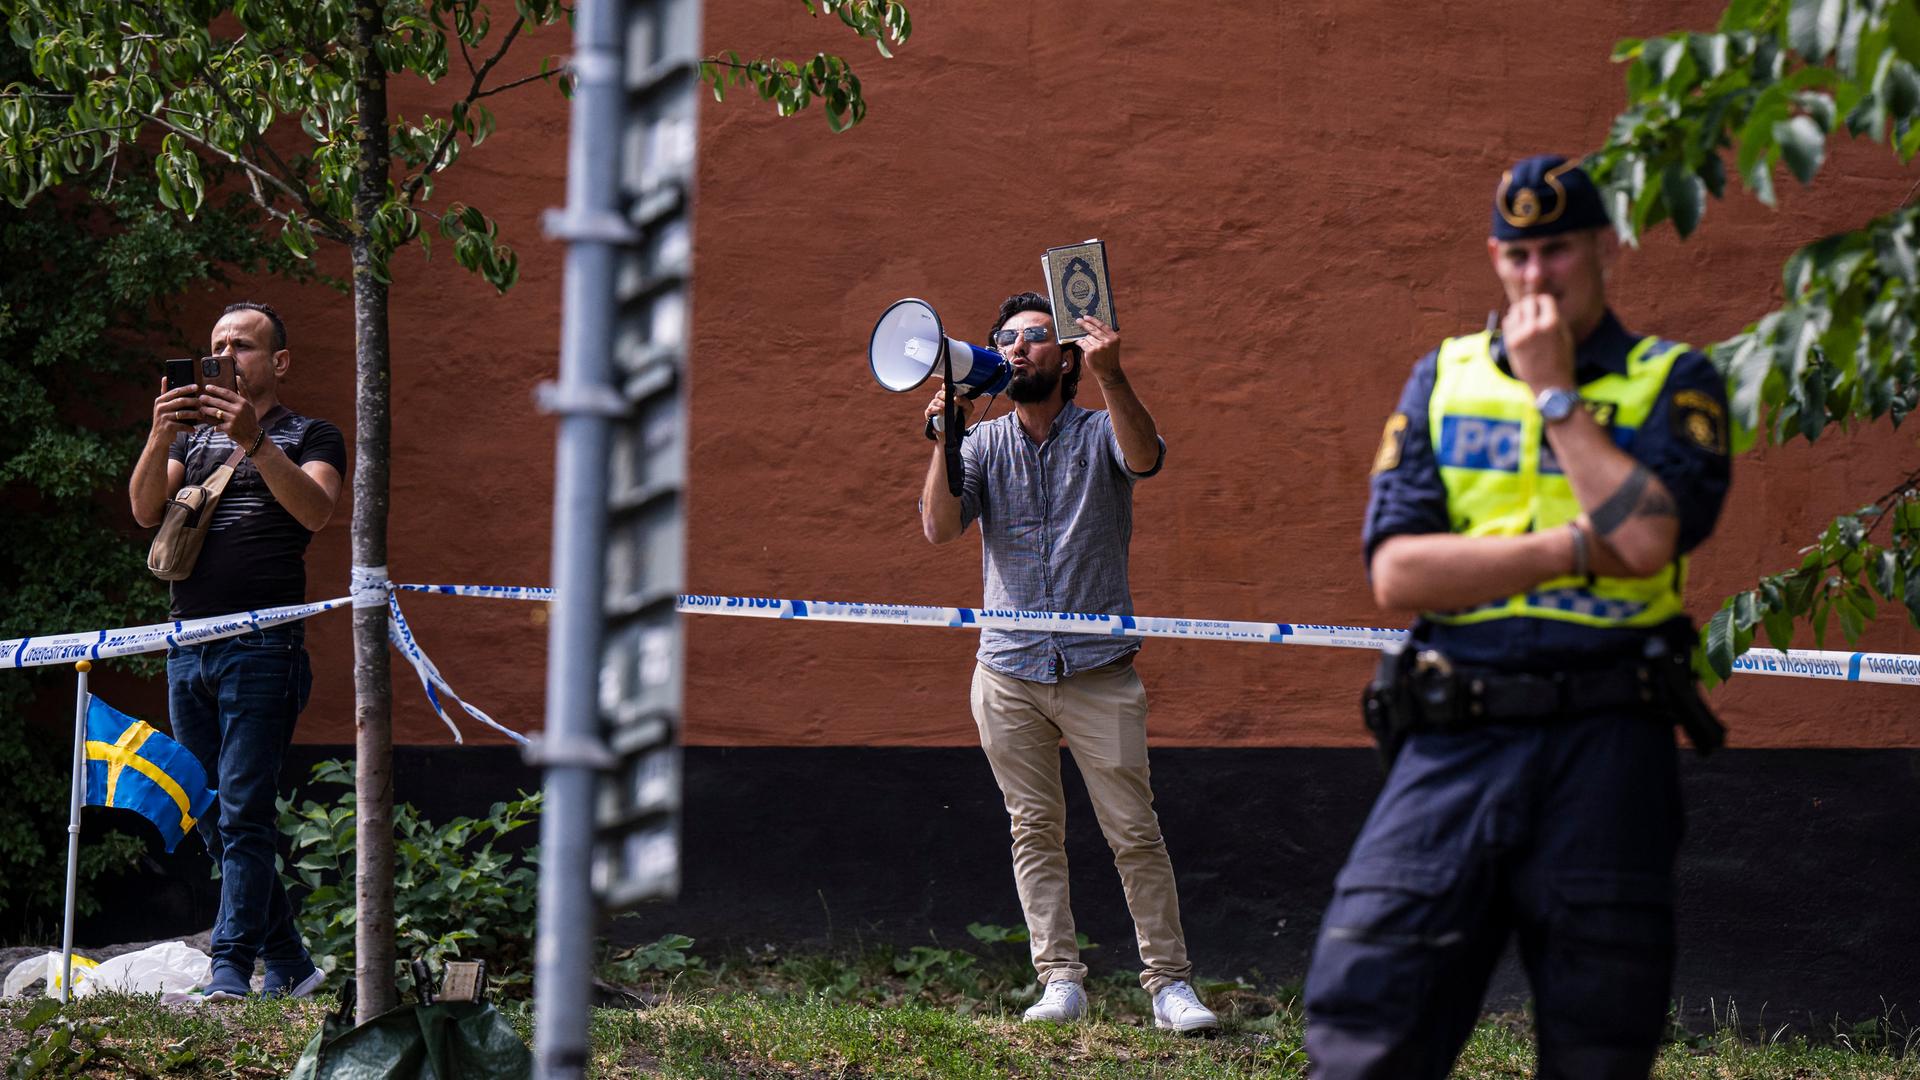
x=168 y=967
x=48 y=967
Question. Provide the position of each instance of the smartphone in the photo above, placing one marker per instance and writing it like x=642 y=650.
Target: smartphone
x=184 y=372
x=217 y=371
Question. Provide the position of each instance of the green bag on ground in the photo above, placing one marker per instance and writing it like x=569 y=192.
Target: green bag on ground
x=456 y=1040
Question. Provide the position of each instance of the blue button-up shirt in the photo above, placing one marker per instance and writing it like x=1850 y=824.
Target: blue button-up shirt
x=1055 y=521
x=1410 y=498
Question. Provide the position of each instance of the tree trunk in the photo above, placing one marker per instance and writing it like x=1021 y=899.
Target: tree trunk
x=372 y=683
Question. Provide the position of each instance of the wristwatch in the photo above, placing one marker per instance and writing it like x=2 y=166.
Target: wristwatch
x=1556 y=403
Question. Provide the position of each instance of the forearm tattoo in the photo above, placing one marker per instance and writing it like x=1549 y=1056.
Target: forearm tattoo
x=1634 y=498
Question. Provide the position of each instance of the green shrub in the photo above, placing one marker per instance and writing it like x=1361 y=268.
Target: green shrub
x=667 y=956
x=454 y=893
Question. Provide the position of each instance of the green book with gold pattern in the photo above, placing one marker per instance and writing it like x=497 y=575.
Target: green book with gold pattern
x=1077 y=283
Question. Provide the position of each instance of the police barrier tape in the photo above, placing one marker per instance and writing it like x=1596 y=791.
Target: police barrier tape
x=1806 y=664
x=34 y=651
x=132 y=640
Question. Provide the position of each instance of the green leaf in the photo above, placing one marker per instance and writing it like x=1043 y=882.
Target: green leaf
x=1779 y=627
x=1861 y=601
x=1759 y=180
x=43 y=1010
x=1744 y=14
x=1719 y=638
x=1756 y=136
x=1847 y=50
x=1713 y=173
x=1903 y=23
x=1802 y=587
x=1663 y=57
x=1710 y=52
x=1851 y=621
x=1685 y=197
x=1901 y=90
x=1813 y=26
x=1802 y=145
x=1818 y=106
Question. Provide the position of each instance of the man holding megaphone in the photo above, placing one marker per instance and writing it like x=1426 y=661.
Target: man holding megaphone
x=1051 y=484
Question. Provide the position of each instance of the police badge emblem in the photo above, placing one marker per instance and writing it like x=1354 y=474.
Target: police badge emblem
x=1077 y=286
x=1700 y=419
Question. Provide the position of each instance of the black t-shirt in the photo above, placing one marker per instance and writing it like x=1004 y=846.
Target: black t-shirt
x=255 y=555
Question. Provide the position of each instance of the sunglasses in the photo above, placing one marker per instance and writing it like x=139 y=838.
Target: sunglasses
x=1035 y=334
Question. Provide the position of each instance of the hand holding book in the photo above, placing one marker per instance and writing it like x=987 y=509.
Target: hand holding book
x=1100 y=349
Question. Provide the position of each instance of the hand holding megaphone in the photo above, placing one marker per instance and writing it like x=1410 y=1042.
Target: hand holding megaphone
x=909 y=343
x=936 y=410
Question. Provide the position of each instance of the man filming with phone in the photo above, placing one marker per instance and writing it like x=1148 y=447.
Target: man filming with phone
x=233 y=702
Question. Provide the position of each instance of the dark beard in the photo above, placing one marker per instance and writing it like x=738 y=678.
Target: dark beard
x=1028 y=389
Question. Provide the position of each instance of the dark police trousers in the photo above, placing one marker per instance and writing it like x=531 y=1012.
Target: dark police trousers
x=1563 y=832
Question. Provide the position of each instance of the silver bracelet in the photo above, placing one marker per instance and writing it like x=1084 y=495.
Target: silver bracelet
x=1580 y=567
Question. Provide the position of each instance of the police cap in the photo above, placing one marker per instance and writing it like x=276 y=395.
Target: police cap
x=1543 y=196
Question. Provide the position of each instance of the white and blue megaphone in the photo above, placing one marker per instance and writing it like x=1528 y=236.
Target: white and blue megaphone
x=905 y=349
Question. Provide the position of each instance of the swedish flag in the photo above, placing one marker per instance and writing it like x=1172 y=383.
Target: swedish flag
x=131 y=766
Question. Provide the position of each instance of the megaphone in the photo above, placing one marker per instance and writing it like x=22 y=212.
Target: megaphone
x=905 y=349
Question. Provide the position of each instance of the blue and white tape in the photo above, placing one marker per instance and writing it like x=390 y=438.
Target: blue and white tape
x=430 y=678
x=1827 y=665
x=490 y=592
x=1055 y=622
x=130 y=640
x=1805 y=664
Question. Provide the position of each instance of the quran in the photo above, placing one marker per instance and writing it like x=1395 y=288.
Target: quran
x=1077 y=285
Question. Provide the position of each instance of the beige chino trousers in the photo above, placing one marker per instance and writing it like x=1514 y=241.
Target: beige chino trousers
x=1102 y=715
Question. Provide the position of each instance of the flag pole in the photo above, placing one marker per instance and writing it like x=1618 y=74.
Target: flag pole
x=73 y=827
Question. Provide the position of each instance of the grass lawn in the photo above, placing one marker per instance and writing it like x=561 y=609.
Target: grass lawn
x=730 y=1031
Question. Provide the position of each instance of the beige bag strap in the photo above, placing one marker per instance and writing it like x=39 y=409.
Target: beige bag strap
x=217 y=483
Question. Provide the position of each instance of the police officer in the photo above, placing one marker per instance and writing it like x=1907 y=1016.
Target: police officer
x=1534 y=498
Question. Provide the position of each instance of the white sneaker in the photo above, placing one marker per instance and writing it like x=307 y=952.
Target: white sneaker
x=1063 y=1002
x=1177 y=1008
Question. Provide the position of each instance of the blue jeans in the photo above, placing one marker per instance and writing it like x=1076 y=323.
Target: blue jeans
x=234 y=703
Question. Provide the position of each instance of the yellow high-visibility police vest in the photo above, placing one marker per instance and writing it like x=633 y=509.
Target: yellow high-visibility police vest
x=1502 y=480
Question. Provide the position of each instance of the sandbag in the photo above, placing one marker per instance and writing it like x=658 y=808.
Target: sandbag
x=465 y=1040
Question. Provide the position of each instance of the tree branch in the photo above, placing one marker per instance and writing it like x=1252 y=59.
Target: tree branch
x=412 y=187
x=1885 y=502
x=71 y=135
x=504 y=87
x=328 y=225
x=260 y=200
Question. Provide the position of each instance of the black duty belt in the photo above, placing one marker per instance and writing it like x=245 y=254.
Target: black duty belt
x=1446 y=697
x=1422 y=690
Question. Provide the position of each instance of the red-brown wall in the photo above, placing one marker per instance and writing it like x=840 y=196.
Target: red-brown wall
x=1294 y=199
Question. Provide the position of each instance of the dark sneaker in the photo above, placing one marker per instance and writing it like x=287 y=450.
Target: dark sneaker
x=281 y=984
x=227 y=984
